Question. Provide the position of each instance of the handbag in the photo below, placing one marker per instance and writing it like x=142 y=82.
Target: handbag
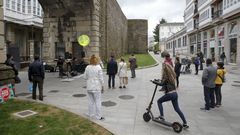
x=222 y=78
x=17 y=79
x=30 y=87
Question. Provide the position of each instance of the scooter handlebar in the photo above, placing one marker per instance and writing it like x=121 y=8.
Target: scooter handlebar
x=157 y=82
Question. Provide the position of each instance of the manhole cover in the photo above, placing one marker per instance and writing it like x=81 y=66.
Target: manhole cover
x=53 y=91
x=236 y=81
x=109 y=104
x=23 y=94
x=126 y=97
x=84 y=87
x=25 y=113
x=235 y=85
x=79 y=95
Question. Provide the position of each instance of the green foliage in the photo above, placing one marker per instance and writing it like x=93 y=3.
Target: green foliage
x=48 y=121
x=156 y=47
x=163 y=21
x=156 y=33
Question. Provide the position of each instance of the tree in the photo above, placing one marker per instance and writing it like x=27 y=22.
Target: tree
x=156 y=30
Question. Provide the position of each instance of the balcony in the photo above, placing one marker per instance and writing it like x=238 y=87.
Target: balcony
x=217 y=14
x=196 y=25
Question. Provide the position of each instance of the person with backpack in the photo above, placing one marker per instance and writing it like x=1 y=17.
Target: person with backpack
x=196 y=63
x=220 y=79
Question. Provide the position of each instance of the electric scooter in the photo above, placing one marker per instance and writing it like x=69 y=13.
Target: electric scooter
x=147 y=116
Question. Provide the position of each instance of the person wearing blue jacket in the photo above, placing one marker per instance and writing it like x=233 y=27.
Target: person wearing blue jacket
x=112 y=69
x=196 y=63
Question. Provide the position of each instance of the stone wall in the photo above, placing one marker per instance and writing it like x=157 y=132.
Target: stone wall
x=114 y=30
x=137 y=36
x=2 y=42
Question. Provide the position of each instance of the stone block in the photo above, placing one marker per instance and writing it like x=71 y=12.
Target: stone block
x=1 y=3
x=1 y=13
x=83 y=28
x=1 y=28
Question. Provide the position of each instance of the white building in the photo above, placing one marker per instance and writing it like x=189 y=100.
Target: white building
x=213 y=27
x=166 y=30
x=23 y=29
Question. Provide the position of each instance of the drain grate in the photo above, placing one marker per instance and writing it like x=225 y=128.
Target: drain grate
x=25 y=113
x=79 y=95
x=23 y=94
x=236 y=81
x=109 y=104
x=53 y=91
x=235 y=85
x=126 y=97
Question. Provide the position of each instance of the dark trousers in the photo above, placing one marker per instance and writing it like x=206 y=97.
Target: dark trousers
x=174 y=98
x=37 y=81
x=60 y=71
x=196 y=68
x=209 y=97
x=111 y=79
x=177 y=79
x=201 y=66
x=133 y=72
x=218 y=94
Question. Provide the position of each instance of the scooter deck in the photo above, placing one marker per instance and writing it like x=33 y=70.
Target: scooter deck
x=163 y=122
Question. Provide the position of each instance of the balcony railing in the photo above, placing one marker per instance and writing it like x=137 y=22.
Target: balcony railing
x=217 y=14
x=196 y=25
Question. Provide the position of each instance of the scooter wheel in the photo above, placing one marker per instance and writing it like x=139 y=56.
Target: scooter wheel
x=146 y=117
x=177 y=127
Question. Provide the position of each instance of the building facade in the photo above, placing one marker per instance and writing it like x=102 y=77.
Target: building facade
x=23 y=29
x=2 y=41
x=213 y=27
x=166 y=30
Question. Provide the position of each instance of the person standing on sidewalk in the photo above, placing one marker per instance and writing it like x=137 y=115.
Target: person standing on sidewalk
x=196 y=63
x=177 y=69
x=112 y=69
x=200 y=55
x=11 y=63
x=36 y=75
x=168 y=60
x=219 y=81
x=222 y=56
x=208 y=80
x=133 y=65
x=168 y=83
x=122 y=73
x=60 y=63
x=94 y=76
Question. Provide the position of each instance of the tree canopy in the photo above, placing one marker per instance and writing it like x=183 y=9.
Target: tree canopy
x=156 y=30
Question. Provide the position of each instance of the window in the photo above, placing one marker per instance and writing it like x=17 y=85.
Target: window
x=29 y=7
x=7 y=3
x=204 y=16
x=233 y=28
x=23 y=5
x=38 y=10
x=34 y=7
x=201 y=2
x=205 y=36
x=13 y=5
x=179 y=42
x=19 y=5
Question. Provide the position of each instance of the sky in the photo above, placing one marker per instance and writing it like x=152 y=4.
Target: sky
x=153 y=10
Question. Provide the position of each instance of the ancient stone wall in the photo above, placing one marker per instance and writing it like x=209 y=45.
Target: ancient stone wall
x=113 y=29
x=137 y=36
x=2 y=42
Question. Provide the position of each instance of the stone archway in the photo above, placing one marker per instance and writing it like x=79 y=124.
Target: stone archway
x=64 y=21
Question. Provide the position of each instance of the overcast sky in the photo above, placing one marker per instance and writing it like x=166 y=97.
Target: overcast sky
x=153 y=10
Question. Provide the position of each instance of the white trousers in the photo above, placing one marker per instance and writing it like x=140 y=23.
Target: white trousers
x=122 y=81
x=94 y=104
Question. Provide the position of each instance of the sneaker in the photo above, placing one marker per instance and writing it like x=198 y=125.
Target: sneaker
x=185 y=126
x=204 y=109
x=124 y=86
x=102 y=118
x=160 y=118
x=120 y=87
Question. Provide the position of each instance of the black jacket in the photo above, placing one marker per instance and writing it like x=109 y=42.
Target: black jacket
x=112 y=67
x=177 y=68
x=36 y=69
x=11 y=63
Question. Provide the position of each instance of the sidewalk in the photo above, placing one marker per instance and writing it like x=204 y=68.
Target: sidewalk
x=123 y=108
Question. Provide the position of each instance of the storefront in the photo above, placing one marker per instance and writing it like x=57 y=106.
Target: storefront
x=220 y=41
x=233 y=30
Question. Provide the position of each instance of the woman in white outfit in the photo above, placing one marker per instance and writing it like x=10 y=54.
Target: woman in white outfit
x=94 y=75
x=122 y=73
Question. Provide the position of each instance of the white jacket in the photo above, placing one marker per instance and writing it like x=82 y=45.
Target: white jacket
x=94 y=76
x=122 y=69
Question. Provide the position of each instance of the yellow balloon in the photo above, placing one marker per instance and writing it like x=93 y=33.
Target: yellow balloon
x=84 y=40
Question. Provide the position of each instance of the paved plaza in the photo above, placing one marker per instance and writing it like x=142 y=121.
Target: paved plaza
x=123 y=108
